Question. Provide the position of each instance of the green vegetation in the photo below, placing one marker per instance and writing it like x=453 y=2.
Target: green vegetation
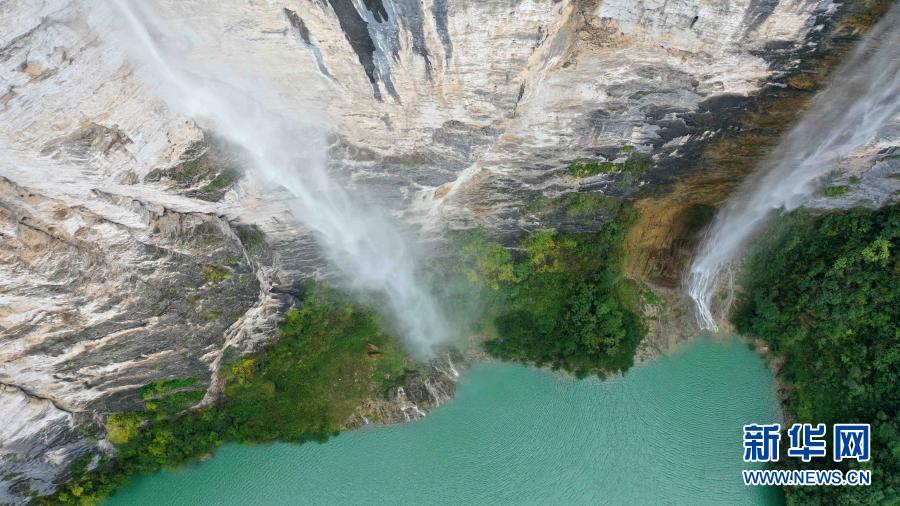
x=215 y=273
x=177 y=402
x=562 y=301
x=651 y=297
x=121 y=427
x=310 y=382
x=223 y=181
x=635 y=162
x=835 y=191
x=164 y=387
x=577 y=205
x=823 y=291
x=192 y=170
x=585 y=204
x=587 y=168
x=207 y=176
x=251 y=236
x=210 y=239
x=204 y=167
x=164 y=397
x=212 y=315
x=303 y=387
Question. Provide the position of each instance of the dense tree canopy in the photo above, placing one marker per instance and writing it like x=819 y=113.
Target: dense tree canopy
x=824 y=290
x=560 y=300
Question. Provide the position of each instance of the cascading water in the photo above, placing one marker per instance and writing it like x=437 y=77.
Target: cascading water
x=361 y=242
x=861 y=99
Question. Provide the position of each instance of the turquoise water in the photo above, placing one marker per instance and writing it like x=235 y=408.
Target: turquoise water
x=668 y=432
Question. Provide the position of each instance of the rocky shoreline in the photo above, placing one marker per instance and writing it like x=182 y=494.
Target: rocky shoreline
x=419 y=392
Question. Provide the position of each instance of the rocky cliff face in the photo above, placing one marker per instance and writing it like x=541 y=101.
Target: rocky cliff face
x=133 y=247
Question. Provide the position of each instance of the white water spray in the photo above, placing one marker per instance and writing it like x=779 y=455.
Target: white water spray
x=862 y=97
x=371 y=252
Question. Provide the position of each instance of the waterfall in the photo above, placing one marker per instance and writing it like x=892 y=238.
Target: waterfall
x=862 y=97
x=371 y=252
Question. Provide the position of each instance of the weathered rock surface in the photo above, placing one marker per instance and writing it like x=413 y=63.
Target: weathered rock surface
x=127 y=257
x=418 y=392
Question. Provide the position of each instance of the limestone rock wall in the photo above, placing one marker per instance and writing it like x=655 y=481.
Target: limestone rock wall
x=129 y=254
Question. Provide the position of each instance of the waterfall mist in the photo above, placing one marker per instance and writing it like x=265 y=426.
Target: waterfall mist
x=862 y=96
x=371 y=253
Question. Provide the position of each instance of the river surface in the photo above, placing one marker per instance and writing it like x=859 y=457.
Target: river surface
x=668 y=432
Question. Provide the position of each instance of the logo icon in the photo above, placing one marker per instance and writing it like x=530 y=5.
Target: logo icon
x=807 y=441
x=851 y=441
x=761 y=442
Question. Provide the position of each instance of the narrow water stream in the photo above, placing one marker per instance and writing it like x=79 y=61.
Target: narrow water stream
x=860 y=101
